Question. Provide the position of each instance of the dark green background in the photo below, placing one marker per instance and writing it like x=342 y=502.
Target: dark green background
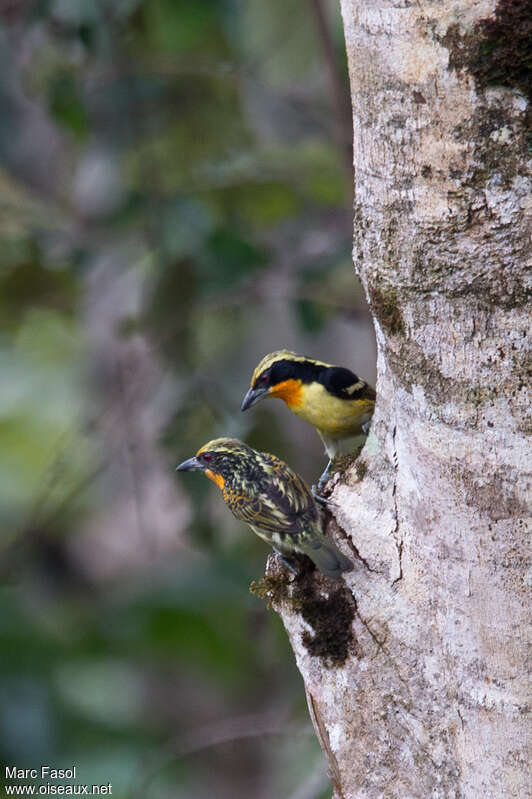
x=175 y=201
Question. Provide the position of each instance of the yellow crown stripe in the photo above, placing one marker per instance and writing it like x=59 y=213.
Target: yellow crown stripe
x=282 y=355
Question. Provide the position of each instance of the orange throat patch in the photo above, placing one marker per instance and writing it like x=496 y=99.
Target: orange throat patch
x=290 y=391
x=216 y=478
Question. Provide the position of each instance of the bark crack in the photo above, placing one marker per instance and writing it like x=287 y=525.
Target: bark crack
x=395 y=532
x=354 y=549
x=323 y=737
x=378 y=642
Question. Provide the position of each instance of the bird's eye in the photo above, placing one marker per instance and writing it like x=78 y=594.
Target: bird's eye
x=263 y=379
x=207 y=458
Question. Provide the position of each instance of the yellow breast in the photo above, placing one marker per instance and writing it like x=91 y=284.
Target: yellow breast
x=336 y=417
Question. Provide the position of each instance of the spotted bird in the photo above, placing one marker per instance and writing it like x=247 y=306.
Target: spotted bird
x=273 y=500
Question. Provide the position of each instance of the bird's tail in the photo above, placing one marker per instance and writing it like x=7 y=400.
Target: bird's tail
x=327 y=557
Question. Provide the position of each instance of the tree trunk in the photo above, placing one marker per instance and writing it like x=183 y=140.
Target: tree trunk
x=415 y=668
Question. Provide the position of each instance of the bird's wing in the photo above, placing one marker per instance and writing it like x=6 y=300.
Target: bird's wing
x=278 y=503
x=344 y=384
x=293 y=491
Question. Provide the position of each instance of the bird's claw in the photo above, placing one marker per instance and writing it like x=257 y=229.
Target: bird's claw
x=325 y=476
x=286 y=562
x=316 y=490
x=320 y=498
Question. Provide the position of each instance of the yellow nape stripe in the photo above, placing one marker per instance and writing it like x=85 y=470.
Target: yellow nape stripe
x=221 y=445
x=281 y=355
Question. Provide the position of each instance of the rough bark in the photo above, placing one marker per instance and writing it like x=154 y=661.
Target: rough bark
x=415 y=668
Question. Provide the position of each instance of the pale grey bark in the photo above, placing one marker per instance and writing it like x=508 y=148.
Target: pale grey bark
x=431 y=698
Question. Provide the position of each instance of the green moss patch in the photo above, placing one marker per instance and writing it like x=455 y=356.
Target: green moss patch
x=361 y=468
x=384 y=305
x=329 y=613
x=331 y=620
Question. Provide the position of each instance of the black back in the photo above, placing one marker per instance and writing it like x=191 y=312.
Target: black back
x=336 y=379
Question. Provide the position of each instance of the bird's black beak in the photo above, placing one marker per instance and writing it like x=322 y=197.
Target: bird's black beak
x=253 y=396
x=190 y=465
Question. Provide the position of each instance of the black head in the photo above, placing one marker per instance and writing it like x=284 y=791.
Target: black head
x=275 y=370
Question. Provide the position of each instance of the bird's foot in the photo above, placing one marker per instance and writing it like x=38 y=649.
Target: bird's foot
x=316 y=490
x=366 y=426
x=320 y=498
x=286 y=562
x=325 y=476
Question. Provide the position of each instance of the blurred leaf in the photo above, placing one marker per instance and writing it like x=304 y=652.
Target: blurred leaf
x=25 y=283
x=184 y=226
x=26 y=717
x=40 y=398
x=326 y=189
x=107 y=691
x=192 y=150
x=178 y=26
x=228 y=259
x=261 y=204
x=47 y=337
x=66 y=105
x=192 y=636
x=76 y=12
x=325 y=182
x=285 y=51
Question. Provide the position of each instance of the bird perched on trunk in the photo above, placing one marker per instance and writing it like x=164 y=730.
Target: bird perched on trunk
x=333 y=399
x=263 y=491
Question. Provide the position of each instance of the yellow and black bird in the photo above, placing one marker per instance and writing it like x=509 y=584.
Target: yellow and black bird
x=333 y=399
x=263 y=491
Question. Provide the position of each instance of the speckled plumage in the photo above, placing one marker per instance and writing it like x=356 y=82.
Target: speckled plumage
x=261 y=490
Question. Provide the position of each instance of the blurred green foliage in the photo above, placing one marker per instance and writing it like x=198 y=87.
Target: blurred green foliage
x=174 y=203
